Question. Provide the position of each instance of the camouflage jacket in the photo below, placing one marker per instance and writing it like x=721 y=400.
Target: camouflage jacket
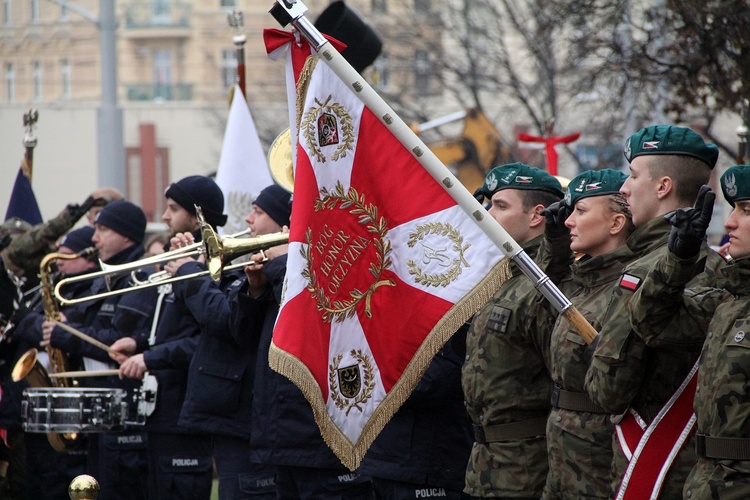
x=722 y=399
x=27 y=250
x=506 y=379
x=625 y=372
x=580 y=443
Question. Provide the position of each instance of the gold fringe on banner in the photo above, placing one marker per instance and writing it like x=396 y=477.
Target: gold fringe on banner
x=302 y=84
x=351 y=454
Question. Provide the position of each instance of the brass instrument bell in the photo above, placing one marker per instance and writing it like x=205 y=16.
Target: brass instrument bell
x=83 y=487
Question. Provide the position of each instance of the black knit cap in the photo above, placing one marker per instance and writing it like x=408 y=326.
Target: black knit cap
x=202 y=191
x=275 y=201
x=78 y=239
x=124 y=218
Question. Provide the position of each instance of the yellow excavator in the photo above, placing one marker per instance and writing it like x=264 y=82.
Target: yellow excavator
x=474 y=152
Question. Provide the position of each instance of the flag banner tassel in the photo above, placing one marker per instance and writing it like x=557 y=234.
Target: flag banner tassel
x=351 y=454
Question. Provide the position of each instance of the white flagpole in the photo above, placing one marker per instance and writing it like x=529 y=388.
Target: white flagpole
x=292 y=11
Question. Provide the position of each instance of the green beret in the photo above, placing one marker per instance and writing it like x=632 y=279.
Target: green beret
x=594 y=183
x=670 y=140
x=519 y=176
x=735 y=183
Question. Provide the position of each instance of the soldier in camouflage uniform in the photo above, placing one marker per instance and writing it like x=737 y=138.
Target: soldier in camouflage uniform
x=579 y=433
x=25 y=252
x=505 y=377
x=668 y=166
x=722 y=399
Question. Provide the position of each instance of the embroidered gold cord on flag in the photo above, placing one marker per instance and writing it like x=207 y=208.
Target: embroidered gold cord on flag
x=383 y=267
x=351 y=454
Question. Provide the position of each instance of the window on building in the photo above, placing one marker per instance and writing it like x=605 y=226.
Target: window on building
x=422 y=71
x=10 y=82
x=380 y=6
x=162 y=70
x=37 y=80
x=160 y=11
x=228 y=3
x=228 y=68
x=63 y=11
x=34 y=11
x=65 y=76
x=421 y=5
x=381 y=71
x=7 y=12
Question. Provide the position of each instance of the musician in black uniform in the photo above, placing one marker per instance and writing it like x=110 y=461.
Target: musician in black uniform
x=180 y=462
x=222 y=372
x=118 y=460
x=284 y=433
x=51 y=470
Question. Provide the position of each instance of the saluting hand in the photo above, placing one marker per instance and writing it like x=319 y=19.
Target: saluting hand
x=690 y=225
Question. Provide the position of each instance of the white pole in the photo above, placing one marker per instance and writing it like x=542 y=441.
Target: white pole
x=328 y=54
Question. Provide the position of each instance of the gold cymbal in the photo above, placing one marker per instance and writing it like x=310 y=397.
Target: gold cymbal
x=280 y=160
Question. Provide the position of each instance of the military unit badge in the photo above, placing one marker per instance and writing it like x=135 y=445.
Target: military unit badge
x=442 y=250
x=730 y=185
x=325 y=125
x=351 y=386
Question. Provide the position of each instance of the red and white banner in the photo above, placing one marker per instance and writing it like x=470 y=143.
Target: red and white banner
x=383 y=265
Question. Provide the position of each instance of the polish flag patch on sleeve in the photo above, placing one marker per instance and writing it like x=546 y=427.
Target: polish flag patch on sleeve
x=630 y=282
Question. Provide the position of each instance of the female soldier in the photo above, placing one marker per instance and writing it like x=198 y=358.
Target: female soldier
x=579 y=434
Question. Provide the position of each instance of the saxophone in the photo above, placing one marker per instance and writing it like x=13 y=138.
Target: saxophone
x=29 y=368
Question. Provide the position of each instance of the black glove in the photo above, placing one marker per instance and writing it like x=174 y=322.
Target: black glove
x=690 y=225
x=77 y=211
x=554 y=224
x=479 y=195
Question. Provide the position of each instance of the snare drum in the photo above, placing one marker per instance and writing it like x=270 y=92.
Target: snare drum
x=73 y=409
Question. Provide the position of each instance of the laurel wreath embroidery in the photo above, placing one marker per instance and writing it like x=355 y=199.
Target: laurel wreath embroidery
x=368 y=379
x=347 y=129
x=351 y=200
x=438 y=279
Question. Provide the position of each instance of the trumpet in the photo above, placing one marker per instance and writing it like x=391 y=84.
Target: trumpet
x=218 y=250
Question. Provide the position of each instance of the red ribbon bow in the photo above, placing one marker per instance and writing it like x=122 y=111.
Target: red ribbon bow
x=549 y=146
x=274 y=39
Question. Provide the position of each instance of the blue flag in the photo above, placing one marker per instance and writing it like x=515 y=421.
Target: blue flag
x=22 y=202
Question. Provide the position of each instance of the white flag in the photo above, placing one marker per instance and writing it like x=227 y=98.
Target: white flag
x=243 y=168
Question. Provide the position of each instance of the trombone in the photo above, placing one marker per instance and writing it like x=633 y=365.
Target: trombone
x=218 y=250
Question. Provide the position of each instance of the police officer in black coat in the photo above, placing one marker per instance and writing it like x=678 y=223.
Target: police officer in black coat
x=423 y=450
x=284 y=432
x=222 y=373
x=180 y=459
x=117 y=460
x=51 y=470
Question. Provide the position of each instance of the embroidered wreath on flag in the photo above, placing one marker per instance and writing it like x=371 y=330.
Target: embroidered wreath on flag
x=441 y=229
x=347 y=129
x=353 y=201
x=368 y=379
